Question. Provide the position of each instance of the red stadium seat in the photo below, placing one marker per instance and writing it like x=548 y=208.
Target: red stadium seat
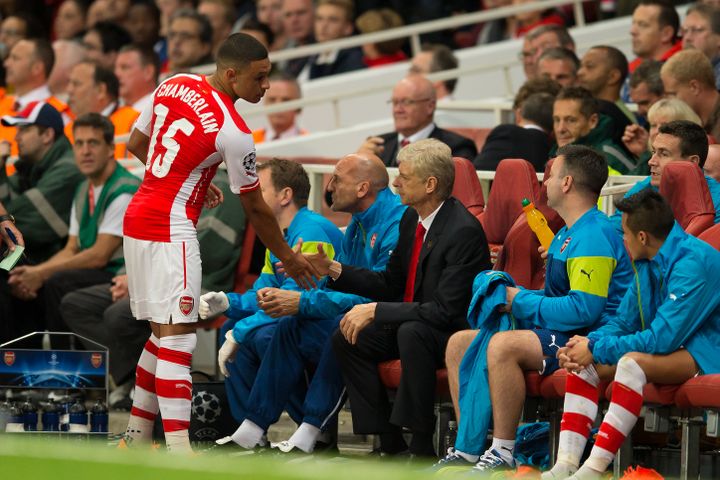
x=391 y=371
x=467 y=187
x=712 y=236
x=702 y=391
x=515 y=179
x=519 y=255
x=685 y=188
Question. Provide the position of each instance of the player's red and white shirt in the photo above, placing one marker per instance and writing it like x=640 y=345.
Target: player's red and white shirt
x=192 y=128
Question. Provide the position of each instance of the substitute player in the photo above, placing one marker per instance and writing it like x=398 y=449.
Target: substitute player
x=182 y=137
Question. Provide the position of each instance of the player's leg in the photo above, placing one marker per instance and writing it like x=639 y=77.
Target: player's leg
x=145 y=405
x=456 y=348
x=174 y=383
x=634 y=370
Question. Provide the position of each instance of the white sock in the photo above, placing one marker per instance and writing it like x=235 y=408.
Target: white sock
x=467 y=456
x=559 y=471
x=587 y=473
x=173 y=385
x=305 y=437
x=248 y=435
x=145 y=402
x=504 y=448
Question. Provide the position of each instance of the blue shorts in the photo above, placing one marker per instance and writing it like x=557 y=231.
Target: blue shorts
x=551 y=341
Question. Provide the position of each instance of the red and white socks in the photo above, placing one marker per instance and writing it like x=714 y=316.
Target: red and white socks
x=580 y=409
x=145 y=402
x=173 y=384
x=625 y=405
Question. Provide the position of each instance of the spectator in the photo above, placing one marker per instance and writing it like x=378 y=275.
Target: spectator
x=116 y=11
x=221 y=15
x=495 y=30
x=269 y=12
x=560 y=65
x=7 y=226
x=381 y=53
x=137 y=69
x=571 y=302
x=654 y=32
x=690 y=78
x=413 y=109
x=668 y=340
x=528 y=138
x=39 y=195
x=259 y=31
x=577 y=120
x=646 y=86
x=102 y=312
x=189 y=41
x=281 y=125
x=701 y=30
x=93 y=252
x=298 y=24
x=359 y=186
x=526 y=21
x=17 y=27
x=540 y=39
x=435 y=294
x=103 y=41
x=68 y=53
x=712 y=163
x=333 y=20
x=26 y=70
x=639 y=141
x=436 y=58
x=602 y=72
x=167 y=10
x=93 y=88
x=144 y=27
x=70 y=20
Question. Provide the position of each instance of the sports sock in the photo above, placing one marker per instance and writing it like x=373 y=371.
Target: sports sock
x=622 y=414
x=467 y=456
x=504 y=448
x=421 y=444
x=305 y=437
x=248 y=435
x=580 y=409
x=173 y=384
x=145 y=402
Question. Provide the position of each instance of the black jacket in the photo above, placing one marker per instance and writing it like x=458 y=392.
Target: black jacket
x=460 y=146
x=512 y=141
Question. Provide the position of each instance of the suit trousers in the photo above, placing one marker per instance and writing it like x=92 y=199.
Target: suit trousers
x=91 y=312
x=421 y=350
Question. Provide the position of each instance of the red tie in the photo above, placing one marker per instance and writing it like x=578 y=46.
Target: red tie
x=404 y=143
x=412 y=268
x=91 y=198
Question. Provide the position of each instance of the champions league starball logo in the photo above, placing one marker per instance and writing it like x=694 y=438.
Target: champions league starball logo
x=206 y=407
x=249 y=163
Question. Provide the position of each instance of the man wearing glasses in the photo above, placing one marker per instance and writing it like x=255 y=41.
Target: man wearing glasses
x=413 y=109
x=701 y=30
x=189 y=41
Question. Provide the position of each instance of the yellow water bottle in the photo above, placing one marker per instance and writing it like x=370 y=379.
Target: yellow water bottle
x=538 y=223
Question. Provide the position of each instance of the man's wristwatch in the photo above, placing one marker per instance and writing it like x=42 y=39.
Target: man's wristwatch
x=7 y=218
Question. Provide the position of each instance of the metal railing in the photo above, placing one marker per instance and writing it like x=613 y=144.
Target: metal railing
x=414 y=31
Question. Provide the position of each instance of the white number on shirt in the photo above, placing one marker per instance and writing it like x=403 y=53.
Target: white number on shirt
x=161 y=164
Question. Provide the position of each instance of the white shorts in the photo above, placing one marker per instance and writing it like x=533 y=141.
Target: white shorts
x=163 y=280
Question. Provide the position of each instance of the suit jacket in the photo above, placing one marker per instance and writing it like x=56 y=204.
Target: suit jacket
x=460 y=146
x=512 y=141
x=445 y=272
x=347 y=60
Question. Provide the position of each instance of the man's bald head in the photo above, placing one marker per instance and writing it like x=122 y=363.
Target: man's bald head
x=356 y=181
x=413 y=104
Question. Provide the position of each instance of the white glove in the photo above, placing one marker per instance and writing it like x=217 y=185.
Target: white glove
x=213 y=303
x=227 y=352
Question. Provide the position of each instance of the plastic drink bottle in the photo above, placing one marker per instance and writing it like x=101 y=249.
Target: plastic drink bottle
x=538 y=223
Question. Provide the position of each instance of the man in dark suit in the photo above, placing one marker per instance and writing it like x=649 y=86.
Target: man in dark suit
x=413 y=109
x=420 y=300
x=529 y=138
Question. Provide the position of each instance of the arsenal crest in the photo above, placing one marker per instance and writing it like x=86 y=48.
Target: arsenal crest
x=186 y=304
x=96 y=360
x=372 y=240
x=9 y=358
